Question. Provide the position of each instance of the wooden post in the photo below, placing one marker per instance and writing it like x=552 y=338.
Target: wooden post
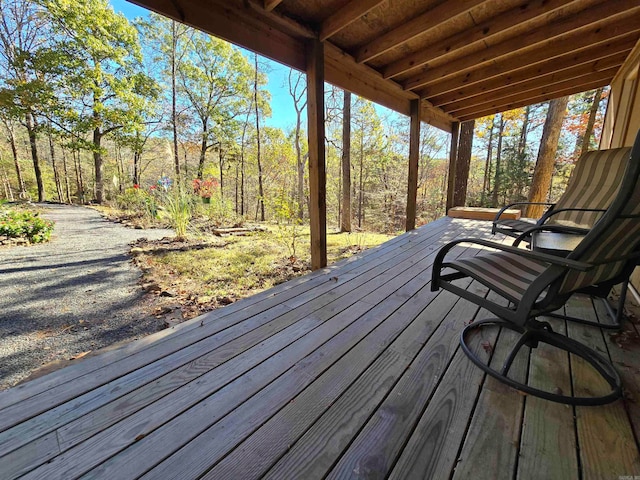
x=414 y=151
x=453 y=156
x=317 y=173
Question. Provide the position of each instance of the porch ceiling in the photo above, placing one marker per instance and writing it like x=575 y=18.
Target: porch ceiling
x=463 y=58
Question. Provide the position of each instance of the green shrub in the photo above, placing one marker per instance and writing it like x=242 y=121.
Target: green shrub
x=177 y=209
x=139 y=201
x=25 y=224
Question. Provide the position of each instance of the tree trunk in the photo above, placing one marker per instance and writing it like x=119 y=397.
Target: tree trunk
x=360 y=183
x=8 y=193
x=463 y=163
x=487 y=166
x=97 y=163
x=203 y=150
x=300 y=165
x=244 y=133
x=221 y=165
x=79 y=176
x=539 y=190
x=345 y=221
x=255 y=101
x=582 y=144
x=14 y=151
x=174 y=112
x=30 y=124
x=498 y=173
x=136 y=167
x=67 y=188
x=525 y=130
x=56 y=177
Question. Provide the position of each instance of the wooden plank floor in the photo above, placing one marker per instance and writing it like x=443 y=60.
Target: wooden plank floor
x=350 y=372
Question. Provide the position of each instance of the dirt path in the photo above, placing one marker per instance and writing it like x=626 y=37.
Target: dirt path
x=75 y=294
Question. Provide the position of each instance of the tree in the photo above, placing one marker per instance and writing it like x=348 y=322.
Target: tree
x=298 y=91
x=23 y=35
x=583 y=140
x=168 y=39
x=539 y=189
x=102 y=79
x=345 y=221
x=9 y=128
x=463 y=162
x=258 y=159
x=215 y=77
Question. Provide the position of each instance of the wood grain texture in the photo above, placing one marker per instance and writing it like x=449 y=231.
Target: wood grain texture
x=554 y=39
x=352 y=373
x=494 y=433
x=605 y=438
x=548 y=442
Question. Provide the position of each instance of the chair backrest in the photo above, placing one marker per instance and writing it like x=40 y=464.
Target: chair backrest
x=615 y=236
x=593 y=184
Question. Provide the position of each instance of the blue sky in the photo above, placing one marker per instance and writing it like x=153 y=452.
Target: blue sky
x=283 y=114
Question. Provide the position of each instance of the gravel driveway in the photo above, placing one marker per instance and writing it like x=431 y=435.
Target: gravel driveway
x=75 y=294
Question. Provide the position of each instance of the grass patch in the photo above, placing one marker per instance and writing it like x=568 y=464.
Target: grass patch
x=233 y=267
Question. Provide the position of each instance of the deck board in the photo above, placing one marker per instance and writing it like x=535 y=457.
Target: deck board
x=353 y=371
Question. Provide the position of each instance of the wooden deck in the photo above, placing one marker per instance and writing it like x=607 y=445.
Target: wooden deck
x=350 y=372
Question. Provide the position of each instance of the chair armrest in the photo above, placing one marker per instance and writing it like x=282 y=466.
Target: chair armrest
x=502 y=210
x=543 y=257
x=550 y=213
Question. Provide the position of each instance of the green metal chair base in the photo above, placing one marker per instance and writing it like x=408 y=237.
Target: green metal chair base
x=532 y=334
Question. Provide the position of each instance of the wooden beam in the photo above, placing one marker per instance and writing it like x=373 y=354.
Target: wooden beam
x=535 y=100
x=238 y=24
x=317 y=174
x=536 y=83
x=453 y=156
x=594 y=59
x=342 y=70
x=280 y=38
x=346 y=15
x=414 y=152
x=556 y=38
x=417 y=26
x=481 y=32
x=575 y=84
x=271 y=4
x=545 y=53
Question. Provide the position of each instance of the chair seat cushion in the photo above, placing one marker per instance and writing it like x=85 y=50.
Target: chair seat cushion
x=506 y=273
x=518 y=225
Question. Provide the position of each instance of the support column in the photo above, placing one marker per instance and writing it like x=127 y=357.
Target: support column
x=414 y=151
x=317 y=172
x=453 y=156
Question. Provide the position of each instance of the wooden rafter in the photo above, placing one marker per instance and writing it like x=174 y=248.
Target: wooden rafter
x=530 y=90
x=543 y=53
x=345 y=16
x=560 y=35
x=417 y=26
x=535 y=100
x=479 y=33
x=485 y=54
x=596 y=58
x=271 y=4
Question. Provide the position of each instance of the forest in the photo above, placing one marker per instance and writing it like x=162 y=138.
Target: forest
x=96 y=108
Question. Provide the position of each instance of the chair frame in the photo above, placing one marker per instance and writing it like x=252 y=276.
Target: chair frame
x=548 y=290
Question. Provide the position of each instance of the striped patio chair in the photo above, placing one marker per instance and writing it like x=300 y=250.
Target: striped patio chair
x=590 y=190
x=535 y=283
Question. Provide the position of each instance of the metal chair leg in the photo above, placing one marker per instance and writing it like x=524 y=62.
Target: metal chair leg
x=533 y=334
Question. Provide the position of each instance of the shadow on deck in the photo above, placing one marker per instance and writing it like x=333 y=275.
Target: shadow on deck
x=350 y=372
